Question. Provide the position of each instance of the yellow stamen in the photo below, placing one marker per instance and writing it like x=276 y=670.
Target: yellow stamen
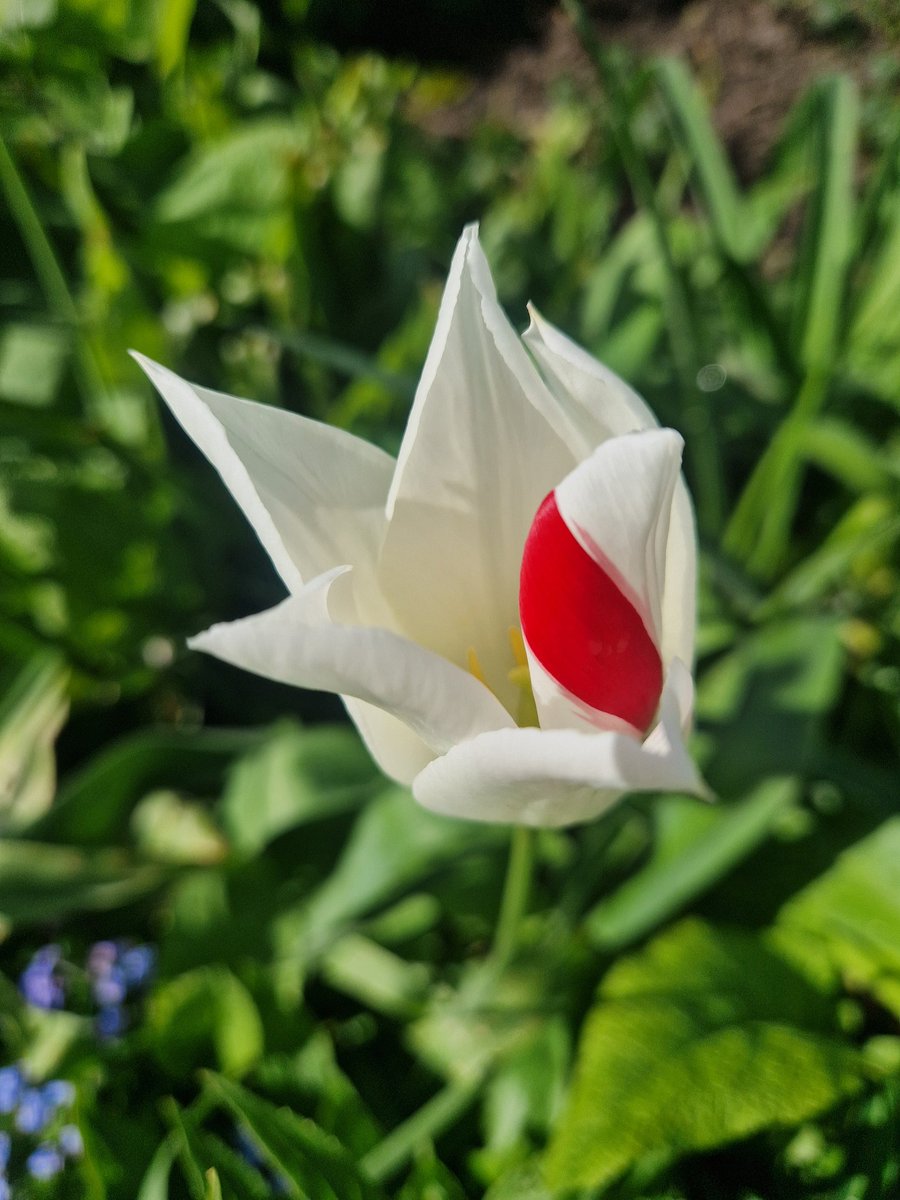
x=517 y=645
x=520 y=677
x=474 y=665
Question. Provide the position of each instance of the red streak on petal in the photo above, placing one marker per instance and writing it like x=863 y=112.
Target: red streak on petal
x=585 y=633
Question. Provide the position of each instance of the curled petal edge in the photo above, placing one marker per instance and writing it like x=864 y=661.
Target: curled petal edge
x=563 y=777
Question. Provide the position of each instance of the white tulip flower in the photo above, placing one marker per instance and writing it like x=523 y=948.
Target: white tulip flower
x=508 y=608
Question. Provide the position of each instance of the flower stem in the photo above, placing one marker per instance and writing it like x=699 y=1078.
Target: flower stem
x=441 y=1111
x=515 y=895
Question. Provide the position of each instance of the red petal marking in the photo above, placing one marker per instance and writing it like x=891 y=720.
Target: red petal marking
x=585 y=633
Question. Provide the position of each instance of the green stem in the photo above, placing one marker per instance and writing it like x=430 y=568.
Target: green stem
x=515 y=895
x=441 y=1111
x=49 y=273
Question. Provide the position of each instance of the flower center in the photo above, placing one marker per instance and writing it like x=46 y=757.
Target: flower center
x=519 y=676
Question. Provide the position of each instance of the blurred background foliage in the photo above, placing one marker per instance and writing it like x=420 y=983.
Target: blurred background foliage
x=266 y=198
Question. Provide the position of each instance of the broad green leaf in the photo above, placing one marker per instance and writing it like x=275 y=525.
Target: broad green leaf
x=315 y=1164
x=705 y=1037
x=296 y=775
x=850 y=916
x=201 y=1014
x=41 y=882
x=694 y=847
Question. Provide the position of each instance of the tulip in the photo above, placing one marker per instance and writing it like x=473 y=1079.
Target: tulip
x=508 y=608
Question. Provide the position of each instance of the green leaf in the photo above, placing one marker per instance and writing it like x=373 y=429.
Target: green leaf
x=32 y=712
x=766 y=700
x=694 y=846
x=851 y=914
x=716 y=182
x=40 y=882
x=315 y=1164
x=94 y=806
x=155 y=1183
x=828 y=238
x=32 y=358
x=207 y=1010
x=173 y=22
x=296 y=775
x=213 y=1186
x=394 y=844
x=705 y=1037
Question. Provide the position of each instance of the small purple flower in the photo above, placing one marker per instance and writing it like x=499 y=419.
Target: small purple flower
x=5 y=1190
x=10 y=1088
x=32 y=1114
x=70 y=1141
x=47 y=956
x=5 y=1150
x=110 y=1021
x=102 y=956
x=58 y=1093
x=39 y=985
x=110 y=988
x=138 y=965
x=45 y=1162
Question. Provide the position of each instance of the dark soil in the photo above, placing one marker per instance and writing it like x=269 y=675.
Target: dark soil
x=752 y=60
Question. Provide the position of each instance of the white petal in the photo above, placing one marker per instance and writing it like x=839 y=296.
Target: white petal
x=313 y=494
x=599 y=405
x=479 y=454
x=596 y=401
x=399 y=752
x=618 y=505
x=558 y=777
x=297 y=643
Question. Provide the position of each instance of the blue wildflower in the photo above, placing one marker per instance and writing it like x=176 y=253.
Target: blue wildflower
x=70 y=1141
x=33 y=1112
x=110 y=987
x=138 y=965
x=59 y=1093
x=45 y=1162
x=110 y=1021
x=5 y=1190
x=10 y=1088
x=39 y=984
x=5 y=1151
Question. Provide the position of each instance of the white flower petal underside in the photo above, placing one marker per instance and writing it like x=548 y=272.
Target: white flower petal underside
x=599 y=405
x=479 y=454
x=400 y=753
x=314 y=494
x=557 y=777
x=298 y=643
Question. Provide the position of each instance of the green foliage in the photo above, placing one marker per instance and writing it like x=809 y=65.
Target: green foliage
x=217 y=186
x=704 y=1037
